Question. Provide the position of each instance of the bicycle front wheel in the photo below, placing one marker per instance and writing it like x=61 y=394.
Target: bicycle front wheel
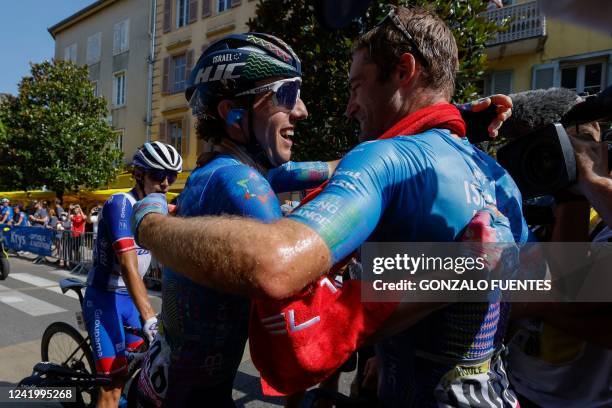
x=4 y=267
x=62 y=344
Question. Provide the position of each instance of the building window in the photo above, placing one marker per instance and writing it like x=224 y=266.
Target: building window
x=94 y=48
x=94 y=85
x=179 y=64
x=119 y=139
x=182 y=13
x=223 y=5
x=70 y=53
x=175 y=134
x=119 y=89
x=498 y=82
x=175 y=71
x=121 y=35
x=587 y=77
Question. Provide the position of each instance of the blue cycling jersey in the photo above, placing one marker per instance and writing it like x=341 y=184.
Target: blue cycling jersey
x=422 y=188
x=115 y=236
x=293 y=176
x=206 y=329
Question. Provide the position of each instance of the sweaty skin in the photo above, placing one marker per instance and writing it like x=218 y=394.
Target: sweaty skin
x=259 y=258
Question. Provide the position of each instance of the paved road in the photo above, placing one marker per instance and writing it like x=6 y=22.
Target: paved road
x=30 y=300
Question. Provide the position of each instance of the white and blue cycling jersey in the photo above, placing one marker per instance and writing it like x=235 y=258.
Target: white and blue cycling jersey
x=115 y=236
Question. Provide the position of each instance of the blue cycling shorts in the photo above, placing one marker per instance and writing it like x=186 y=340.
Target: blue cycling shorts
x=105 y=314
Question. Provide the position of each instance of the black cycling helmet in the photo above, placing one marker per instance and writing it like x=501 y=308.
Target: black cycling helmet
x=234 y=64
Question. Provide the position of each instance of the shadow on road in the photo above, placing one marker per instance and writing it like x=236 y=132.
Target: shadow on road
x=249 y=385
x=7 y=384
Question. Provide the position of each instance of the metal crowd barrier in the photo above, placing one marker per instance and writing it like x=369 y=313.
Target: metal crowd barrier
x=74 y=250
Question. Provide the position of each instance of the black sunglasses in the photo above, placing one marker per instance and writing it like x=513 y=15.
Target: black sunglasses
x=397 y=23
x=159 y=176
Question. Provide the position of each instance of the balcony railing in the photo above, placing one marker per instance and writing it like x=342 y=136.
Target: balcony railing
x=523 y=21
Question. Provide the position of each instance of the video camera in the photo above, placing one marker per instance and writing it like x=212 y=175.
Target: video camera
x=541 y=160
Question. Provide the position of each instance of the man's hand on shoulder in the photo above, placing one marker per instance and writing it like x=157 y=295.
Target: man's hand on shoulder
x=152 y=204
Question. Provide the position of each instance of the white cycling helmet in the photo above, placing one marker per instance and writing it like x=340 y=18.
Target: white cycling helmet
x=158 y=156
x=5 y=200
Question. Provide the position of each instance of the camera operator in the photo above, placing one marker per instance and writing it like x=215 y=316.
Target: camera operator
x=559 y=353
x=540 y=159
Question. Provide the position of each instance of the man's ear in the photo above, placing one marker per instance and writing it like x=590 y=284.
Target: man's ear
x=406 y=69
x=138 y=174
x=224 y=107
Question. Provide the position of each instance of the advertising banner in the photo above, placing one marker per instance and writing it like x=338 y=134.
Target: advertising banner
x=30 y=239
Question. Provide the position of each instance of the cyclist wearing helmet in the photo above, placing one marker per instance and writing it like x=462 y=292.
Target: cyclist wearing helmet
x=116 y=295
x=244 y=91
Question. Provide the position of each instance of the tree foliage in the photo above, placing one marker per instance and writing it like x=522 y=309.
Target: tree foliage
x=3 y=136
x=56 y=134
x=325 y=57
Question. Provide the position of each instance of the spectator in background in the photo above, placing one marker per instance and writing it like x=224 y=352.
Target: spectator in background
x=58 y=207
x=40 y=216
x=52 y=224
x=53 y=220
x=92 y=218
x=19 y=217
x=78 y=219
x=64 y=226
x=494 y=4
x=6 y=214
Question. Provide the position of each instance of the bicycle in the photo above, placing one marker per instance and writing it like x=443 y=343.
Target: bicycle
x=5 y=266
x=75 y=366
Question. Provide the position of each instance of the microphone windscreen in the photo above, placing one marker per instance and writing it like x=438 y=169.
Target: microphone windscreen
x=535 y=109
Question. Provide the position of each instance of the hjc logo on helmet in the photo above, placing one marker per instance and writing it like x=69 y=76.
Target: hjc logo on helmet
x=222 y=71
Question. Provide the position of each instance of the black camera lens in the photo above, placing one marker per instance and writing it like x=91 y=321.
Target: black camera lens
x=543 y=164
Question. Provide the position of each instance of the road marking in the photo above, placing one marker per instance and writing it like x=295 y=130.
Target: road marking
x=42 y=283
x=26 y=303
x=62 y=272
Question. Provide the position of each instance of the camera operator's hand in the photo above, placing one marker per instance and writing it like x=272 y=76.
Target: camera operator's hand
x=594 y=180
